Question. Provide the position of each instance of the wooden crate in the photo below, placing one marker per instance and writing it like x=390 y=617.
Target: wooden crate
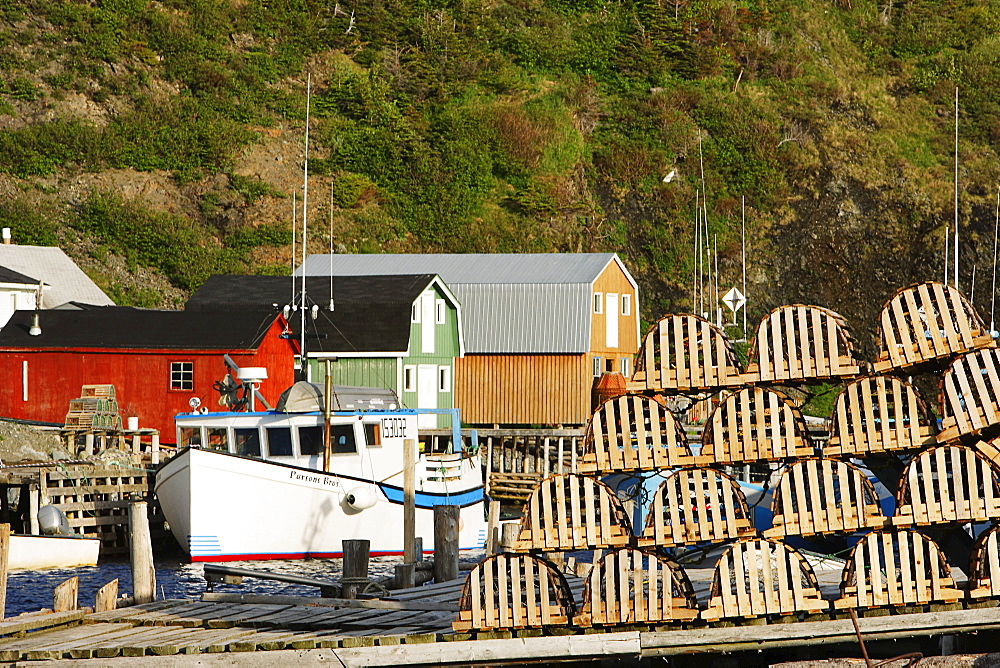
x=819 y=496
x=984 y=574
x=970 y=390
x=514 y=591
x=684 y=353
x=800 y=343
x=928 y=322
x=629 y=586
x=879 y=414
x=757 y=577
x=572 y=512
x=896 y=567
x=633 y=433
x=696 y=505
x=947 y=483
x=755 y=424
x=105 y=391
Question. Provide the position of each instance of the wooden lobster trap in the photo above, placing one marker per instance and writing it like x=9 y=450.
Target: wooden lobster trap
x=757 y=577
x=970 y=390
x=633 y=433
x=684 y=353
x=572 y=512
x=514 y=591
x=896 y=567
x=800 y=343
x=755 y=424
x=927 y=322
x=879 y=414
x=696 y=505
x=947 y=483
x=629 y=586
x=984 y=575
x=817 y=496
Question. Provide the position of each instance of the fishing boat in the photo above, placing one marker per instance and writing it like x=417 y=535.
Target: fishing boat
x=253 y=485
x=30 y=552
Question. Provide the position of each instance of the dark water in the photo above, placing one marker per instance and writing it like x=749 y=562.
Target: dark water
x=28 y=591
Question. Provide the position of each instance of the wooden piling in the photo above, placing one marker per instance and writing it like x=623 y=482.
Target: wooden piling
x=493 y=528
x=141 y=552
x=508 y=536
x=445 y=543
x=354 y=576
x=4 y=554
x=106 y=597
x=409 y=500
x=65 y=595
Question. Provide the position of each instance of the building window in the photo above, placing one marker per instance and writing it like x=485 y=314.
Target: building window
x=415 y=312
x=626 y=304
x=444 y=379
x=409 y=379
x=598 y=302
x=439 y=311
x=597 y=367
x=182 y=376
x=625 y=367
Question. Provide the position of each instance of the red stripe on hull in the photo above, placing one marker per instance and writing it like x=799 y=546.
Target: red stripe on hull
x=264 y=557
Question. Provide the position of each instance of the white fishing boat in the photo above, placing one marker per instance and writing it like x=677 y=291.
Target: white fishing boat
x=29 y=552
x=247 y=486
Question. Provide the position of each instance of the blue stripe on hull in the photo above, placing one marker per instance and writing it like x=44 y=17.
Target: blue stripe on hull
x=428 y=501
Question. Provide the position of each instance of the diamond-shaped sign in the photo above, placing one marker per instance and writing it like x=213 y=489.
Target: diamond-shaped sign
x=734 y=300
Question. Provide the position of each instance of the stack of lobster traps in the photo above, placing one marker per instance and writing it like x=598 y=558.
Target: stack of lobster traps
x=945 y=480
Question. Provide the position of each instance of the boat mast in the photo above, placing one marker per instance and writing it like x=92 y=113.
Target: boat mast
x=993 y=292
x=303 y=363
x=956 y=187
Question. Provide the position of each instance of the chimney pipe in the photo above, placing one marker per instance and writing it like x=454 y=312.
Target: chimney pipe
x=35 y=328
x=6 y=235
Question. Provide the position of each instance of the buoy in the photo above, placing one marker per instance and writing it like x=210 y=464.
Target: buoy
x=361 y=497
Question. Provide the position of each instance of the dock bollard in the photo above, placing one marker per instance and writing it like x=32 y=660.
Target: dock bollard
x=141 y=552
x=354 y=576
x=445 y=543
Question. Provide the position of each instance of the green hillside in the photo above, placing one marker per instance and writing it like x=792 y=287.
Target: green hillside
x=159 y=142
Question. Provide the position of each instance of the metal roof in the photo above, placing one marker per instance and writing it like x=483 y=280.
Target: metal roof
x=529 y=303
x=53 y=267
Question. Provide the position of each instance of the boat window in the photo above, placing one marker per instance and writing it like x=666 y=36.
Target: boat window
x=190 y=436
x=310 y=440
x=373 y=435
x=217 y=439
x=247 y=442
x=342 y=439
x=279 y=441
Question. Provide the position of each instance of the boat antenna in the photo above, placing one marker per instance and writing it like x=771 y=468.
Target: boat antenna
x=946 y=233
x=743 y=232
x=704 y=217
x=331 y=246
x=291 y=302
x=993 y=298
x=694 y=270
x=956 y=187
x=718 y=311
x=305 y=203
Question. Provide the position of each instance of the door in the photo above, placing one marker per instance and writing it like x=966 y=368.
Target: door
x=611 y=320
x=427 y=394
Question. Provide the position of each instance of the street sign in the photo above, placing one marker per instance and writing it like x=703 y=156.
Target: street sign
x=734 y=300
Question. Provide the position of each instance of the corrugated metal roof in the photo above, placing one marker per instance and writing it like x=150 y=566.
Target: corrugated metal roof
x=529 y=303
x=53 y=267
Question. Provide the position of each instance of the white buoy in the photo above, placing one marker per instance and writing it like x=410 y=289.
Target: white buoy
x=361 y=497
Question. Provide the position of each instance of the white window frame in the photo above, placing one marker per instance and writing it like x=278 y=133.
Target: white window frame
x=439 y=311
x=596 y=367
x=598 y=303
x=415 y=312
x=444 y=379
x=626 y=304
x=624 y=367
x=182 y=376
x=410 y=378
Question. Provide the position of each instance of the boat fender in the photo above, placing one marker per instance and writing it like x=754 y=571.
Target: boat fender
x=361 y=497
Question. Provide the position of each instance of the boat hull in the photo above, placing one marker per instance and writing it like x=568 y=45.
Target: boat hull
x=223 y=507
x=42 y=552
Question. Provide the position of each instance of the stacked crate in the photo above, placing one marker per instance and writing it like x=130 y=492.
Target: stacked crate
x=96 y=408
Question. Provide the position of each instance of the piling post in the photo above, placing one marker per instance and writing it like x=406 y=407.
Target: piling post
x=156 y=448
x=493 y=528
x=141 y=552
x=409 y=500
x=4 y=554
x=65 y=596
x=509 y=536
x=445 y=543
x=355 y=568
x=107 y=597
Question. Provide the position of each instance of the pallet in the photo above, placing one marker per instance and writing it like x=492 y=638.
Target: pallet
x=633 y=433
x=684 y=353
x=967 y=388
x=984 y=574
x=629 y=586
x=696 y=505
x=896 y=567
x=928 y=322
x=756 y=577
x=879 y=414
x=509 y=591
x=819 y=496
x=800 y=343
x=755 y=424
x=947 y=483
x=572 y=512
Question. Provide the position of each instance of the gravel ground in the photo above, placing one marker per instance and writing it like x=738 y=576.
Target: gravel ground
x=22 y=444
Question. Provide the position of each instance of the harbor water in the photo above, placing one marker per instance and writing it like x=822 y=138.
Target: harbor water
x=29 y=591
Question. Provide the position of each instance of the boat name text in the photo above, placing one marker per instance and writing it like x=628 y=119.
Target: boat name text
x=319 y=480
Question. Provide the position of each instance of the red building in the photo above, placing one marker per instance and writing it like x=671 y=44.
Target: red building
x=157 y=360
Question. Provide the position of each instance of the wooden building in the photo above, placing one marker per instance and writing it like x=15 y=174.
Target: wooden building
x=157 y=360
x=540 y=329
x=401 y=332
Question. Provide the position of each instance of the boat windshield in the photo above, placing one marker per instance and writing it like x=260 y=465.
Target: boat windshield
x=247 y=442
x=311 y=441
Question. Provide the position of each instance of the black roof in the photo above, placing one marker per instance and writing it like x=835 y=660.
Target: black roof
x=126 y=327
x=11 y=276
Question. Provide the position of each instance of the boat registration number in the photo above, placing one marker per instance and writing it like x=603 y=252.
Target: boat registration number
x=393 y=427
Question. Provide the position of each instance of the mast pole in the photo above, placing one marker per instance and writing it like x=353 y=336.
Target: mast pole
x=993 y=292
x=303 y=362
x=743 y=232
x=956 y=187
